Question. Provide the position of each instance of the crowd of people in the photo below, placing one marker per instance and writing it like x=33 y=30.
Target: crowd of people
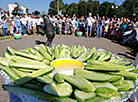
x=65 y=25
x=20 y=25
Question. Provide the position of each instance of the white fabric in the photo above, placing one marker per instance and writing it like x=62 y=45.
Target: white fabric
x=24 y=21
x=136 y=35
x=127 y=32
x=89 y=21
x=38 y=21
x=73 y=22
x=34 y=21
x=29 y=19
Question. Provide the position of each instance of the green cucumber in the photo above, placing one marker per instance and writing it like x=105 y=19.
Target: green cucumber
x=10 y=50
x=31 y=76
x=85 y=56
x=4 y=61
x=7 y=56
x=46 y=61
x=65 y=100
x=104 y=87
x=26 y=70
x=132 y=84
x=96 y=62
x=56 y=52
x=95 y=56
x=77 y=52
x=59 y=89
x=27 y=66
x=36 y=93
x=32 y=51
x=101 y=54
x=45 y=54
x=64 y=53
x=19 y=73
x=107 y=57
x=124 y=86
x=113 y=59
x=58 y=78
x=9 y=72
x=33 y=86
x=45 y=79
x=119 y=82
x=19 y=59
x=91 y=75
x=43 y=47
x=96 y=99
x=124 y=62
x=109 y=95
x=82 y=96
x=130 y=68
x=101 y=68
x=127 y=75
x=49 y=50
x=28 y=55
x=80 y=83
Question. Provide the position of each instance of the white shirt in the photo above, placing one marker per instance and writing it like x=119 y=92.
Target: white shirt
x=29 y=19
x=33 y=20
x=24 y=21
x=73 y=22
x=89 y=21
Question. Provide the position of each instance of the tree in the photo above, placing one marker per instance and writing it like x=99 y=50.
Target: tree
x=82 y=8
x=96 y=8
x=72 y=9
x=90 y=6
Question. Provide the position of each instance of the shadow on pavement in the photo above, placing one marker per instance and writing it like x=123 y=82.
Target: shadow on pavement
x=127 y=56
x=39 y=42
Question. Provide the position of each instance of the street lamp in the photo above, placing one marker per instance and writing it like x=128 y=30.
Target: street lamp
x=58 y=6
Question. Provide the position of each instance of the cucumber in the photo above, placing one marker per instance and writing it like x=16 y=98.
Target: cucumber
x=115 y=78
x=46 y=61
x=77 y=52
x=37 y=47
x=27 y=66
x=30 y=56
x=85 y=56
x=36 y=93
x=65 y=100
x=132 y=84
x=91 y=75
x=33 y=86
x=124 y=62
x=104 y=87
x=58 y=78
x=95 y=56
x=119 y=82
x=126 y=75
x=19 y=73
x=31 y=76
x=9 y=72
x=45 y=79
x=64 y=53
x=80 y=83
x=56 y=52
x=43 y=47
x=82 y=96
x=32 y=51
x=130 y=68
x=10 y=50
x=101 y=68
x=109 y=95
x=101 y=54
x=59 y=89
x=96 y=99
x=26 y=70
x=113 y=59
x=107 y=57
x=124 y=86
x=19 y=59
x=96 y=62
x=49 y=50
x=4 y=61
x=45 y=54
x=7 y=56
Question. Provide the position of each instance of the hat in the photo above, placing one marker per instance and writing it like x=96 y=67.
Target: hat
x=90 y=13
x=17 y=16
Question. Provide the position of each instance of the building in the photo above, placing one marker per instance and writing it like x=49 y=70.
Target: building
x=11 y=7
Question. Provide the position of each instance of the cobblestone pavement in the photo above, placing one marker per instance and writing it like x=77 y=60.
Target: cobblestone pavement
x=31 y=41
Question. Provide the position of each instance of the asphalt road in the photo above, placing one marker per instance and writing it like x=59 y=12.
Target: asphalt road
x=31 y=41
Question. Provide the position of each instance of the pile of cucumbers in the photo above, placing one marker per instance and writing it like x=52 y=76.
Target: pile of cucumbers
x=103 y=77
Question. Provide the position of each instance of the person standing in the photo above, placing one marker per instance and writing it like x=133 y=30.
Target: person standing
x=89 y=21
x=73 y=23
x=29 y=25
x=33 y=20
x=67 y=26
x=18 y=24
x=99 y=23
x=24 y=22
x=82 y=24
x=4 y=26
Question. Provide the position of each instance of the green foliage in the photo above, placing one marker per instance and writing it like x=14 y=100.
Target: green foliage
x=127 y=9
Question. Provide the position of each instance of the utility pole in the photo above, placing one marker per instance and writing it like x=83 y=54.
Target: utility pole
x=58 y=6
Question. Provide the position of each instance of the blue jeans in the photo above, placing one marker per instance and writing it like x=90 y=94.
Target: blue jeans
x=18 y=29
x=99 y=28
x=5 y=32
x=24 y=29
x=89 y=27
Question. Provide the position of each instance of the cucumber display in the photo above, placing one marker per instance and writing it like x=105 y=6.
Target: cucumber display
x=103 y=76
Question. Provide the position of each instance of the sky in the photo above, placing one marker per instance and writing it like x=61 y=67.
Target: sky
x=43 y=5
